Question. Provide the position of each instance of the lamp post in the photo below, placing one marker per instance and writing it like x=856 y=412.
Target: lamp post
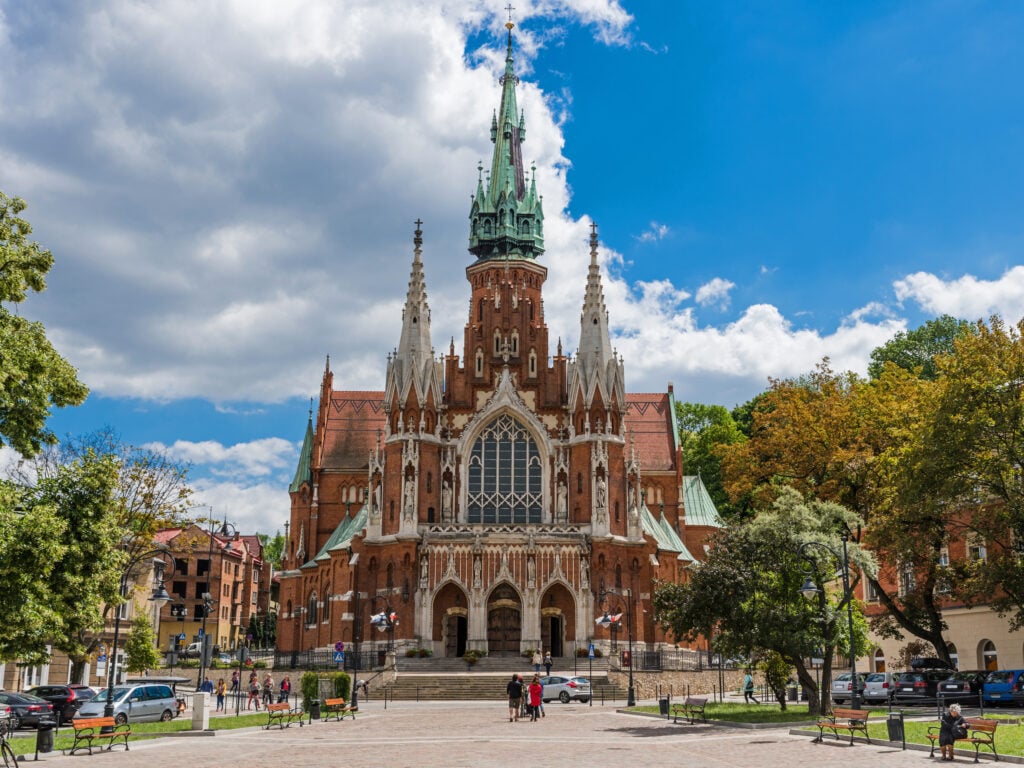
x=159 y=597
x=607 y=620
x=385 y=621
x=206 y=647
x=810 y=589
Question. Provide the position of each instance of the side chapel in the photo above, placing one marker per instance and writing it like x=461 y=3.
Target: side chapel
x=489 y=499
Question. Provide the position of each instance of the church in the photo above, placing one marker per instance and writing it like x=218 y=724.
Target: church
x=498 y=498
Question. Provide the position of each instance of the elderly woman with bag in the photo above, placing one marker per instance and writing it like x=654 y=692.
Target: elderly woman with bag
x=952 y=726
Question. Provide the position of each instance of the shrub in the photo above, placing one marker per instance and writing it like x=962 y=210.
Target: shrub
x=425 y=653
x=411 y=653
x=341 y=685
x=260 y=665
x=472 y=656
x=309 y=684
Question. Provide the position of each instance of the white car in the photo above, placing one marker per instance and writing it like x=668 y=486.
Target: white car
x=879 y=688
x=842 y=690
x=565 y=689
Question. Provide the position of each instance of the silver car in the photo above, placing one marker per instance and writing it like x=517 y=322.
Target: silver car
x=842 y=689
x=878 y=688
x=565 y=689
x=134 y=703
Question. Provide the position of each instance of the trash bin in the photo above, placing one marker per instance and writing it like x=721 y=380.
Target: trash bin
x=894 y=724
x=314 y=709
x=44 y=734
x=663 y=705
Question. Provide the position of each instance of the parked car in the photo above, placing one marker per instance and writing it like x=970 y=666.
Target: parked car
x=26 y=709
x=1001 y=685
x=878 y=688
x=134 y=703
x=919 y=686
x=225 y=658
x=66 y=699
x=964 y=686
x=565 y=689
x=842 y=688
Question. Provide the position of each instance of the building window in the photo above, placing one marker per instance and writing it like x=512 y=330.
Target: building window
x=943 y=557
x=202 y=567
x=953 y=655
x=989 y=657
x=311 y=610
x=515 y=342
x=533 y=363
x=180 y=589
x=879 y=660
x=871 y=596
x=479 y=362
x=327 y=608
x=976 y=550
x=907 y=580
x=505 y=475
x=201 y=588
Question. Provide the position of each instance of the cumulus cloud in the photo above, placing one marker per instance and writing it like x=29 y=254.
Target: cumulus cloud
x=254 y=459
x=653 y=233
x=967 y=296
x=715 y=291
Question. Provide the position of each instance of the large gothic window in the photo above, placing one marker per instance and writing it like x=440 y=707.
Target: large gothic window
x=505 y=475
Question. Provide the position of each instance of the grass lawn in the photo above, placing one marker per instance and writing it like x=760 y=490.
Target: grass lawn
x=25 y=742
x=1009 y=737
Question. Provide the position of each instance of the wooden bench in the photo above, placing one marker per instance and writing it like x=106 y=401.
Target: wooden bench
x=90 y=729
x=691 y=709
x=851 y=720
x=283 y=715
x=337 y=709
x=981 y=732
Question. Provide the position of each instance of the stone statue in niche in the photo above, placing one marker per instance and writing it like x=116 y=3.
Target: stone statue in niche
x=446 y=502
x=531 y=570
x=562 y=503
x=477 y=572
x=602 y=493
x=584 y=575
x=410 y=500
x=423 y=572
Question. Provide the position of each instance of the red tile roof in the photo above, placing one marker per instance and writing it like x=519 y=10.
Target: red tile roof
x=353 y=420
x=649 y=427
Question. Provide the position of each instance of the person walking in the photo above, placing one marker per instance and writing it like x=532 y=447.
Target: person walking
x=952 y=726
x=547 y=663
x=285 y=690
x=220 y=690
x=537 y=659
x=207 y=686
x=254 y=693
x=514 y=690
x=536 y=690
x=268 y=690
x=748 y=689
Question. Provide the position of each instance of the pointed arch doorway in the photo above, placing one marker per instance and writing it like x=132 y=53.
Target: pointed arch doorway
x=504 y=622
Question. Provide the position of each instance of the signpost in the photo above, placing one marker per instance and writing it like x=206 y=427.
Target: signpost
x=590 y=661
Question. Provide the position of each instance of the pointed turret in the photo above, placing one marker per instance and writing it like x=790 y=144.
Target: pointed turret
x=596 y=370
x=413 y=367
x=506 y=217
x=303 y=474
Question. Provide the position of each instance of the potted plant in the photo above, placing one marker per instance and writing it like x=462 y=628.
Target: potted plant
x=471 y=657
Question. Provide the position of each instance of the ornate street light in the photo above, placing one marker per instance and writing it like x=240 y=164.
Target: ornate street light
x=159 y=597
x=206 y=647
x=810 y=589
x=613 y=621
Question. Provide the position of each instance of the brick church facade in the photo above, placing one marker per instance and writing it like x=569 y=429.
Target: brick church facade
x=489 y=499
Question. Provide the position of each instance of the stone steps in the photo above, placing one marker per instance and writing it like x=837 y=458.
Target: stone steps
x=476 y=687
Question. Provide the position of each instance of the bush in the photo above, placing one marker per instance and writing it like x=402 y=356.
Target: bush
x=411 y=653
x=527 y=654
x=582 y=653
x=309 y=684
x=472 y=656
x=260 y=665
x=341 y=685
x=425 y=653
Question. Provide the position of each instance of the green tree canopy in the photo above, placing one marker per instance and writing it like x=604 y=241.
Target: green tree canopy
x=140 y=645
x=916 y=351
x=33 y=376
x=703 y=430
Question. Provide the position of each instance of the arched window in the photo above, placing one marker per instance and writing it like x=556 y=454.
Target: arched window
x=505 y=475
x=953 y=656
x=480 y=311
x=479 y=362
x=879 y=660
x=311 y=609
x=525 y=227
x=579 y=482
x=533 y=363
x=327 y=608
x=989 y=657
x=515 y=341
x=497 y=342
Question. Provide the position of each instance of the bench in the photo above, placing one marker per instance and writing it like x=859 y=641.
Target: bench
x=691 y=709
x=981 y=732
x=851 y=720
x=337 y=709
x=90 y=729
x=283 y=715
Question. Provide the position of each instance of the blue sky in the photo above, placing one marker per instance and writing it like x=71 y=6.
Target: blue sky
x=229 y=192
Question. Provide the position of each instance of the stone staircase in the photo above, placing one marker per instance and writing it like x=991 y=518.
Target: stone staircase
x=496 y=664
x=477 y=686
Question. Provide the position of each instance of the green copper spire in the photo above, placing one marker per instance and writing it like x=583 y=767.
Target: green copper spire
x=302 y=472
x=506 y=218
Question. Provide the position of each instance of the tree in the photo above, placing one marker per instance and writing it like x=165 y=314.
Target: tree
x=703 y=430
x=916 y=351
x=745 y=594
x=140 y=645
x=273 y=548
x=31 y=543
x=33 y=375
x=148 y=493
x=974 y=453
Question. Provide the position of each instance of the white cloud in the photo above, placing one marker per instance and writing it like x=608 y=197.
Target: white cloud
x=254 y=459
x=715 y=291
x=653 y=233
x=966 y=297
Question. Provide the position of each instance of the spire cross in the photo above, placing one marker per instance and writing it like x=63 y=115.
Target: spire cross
x=419 y=223
x=509 y=8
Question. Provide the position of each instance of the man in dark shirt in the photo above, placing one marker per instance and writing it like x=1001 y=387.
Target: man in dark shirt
x=515 y=694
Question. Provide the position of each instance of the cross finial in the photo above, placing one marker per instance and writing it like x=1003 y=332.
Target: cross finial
x=509 y=8
x=419 y=223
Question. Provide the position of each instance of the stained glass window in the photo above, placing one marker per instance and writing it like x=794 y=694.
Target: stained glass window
x=505 y=475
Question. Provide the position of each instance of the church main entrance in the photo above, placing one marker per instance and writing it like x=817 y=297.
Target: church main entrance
x=504 y=622
x=551 y=634
x=455 y=635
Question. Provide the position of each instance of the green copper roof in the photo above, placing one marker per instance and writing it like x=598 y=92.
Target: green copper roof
x=700 y=509
x=342 y=536
x=302 y=473
x=506 y=217
x=663 y=534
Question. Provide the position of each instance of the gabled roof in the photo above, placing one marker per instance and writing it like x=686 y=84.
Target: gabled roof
x=663 y=534
x=700 y=509
x=342 y=536
x=649 y=427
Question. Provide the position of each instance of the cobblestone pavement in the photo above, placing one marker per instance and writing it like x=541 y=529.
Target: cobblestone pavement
x=478 y=734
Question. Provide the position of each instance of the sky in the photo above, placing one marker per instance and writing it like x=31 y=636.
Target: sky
x=229 y=190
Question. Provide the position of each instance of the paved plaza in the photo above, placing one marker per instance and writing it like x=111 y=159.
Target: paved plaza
x=478 y=734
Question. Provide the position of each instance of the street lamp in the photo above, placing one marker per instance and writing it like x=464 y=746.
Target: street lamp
x=810 y=589
x=614 y=621
x=206 y=647
x=385 y=621
x=159 y=597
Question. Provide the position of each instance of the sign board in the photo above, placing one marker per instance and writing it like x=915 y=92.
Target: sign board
x=339 y=646
x=181 y=636
x=101 y=657
x=339 y=657
x=200 y=632
x=590 y=652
